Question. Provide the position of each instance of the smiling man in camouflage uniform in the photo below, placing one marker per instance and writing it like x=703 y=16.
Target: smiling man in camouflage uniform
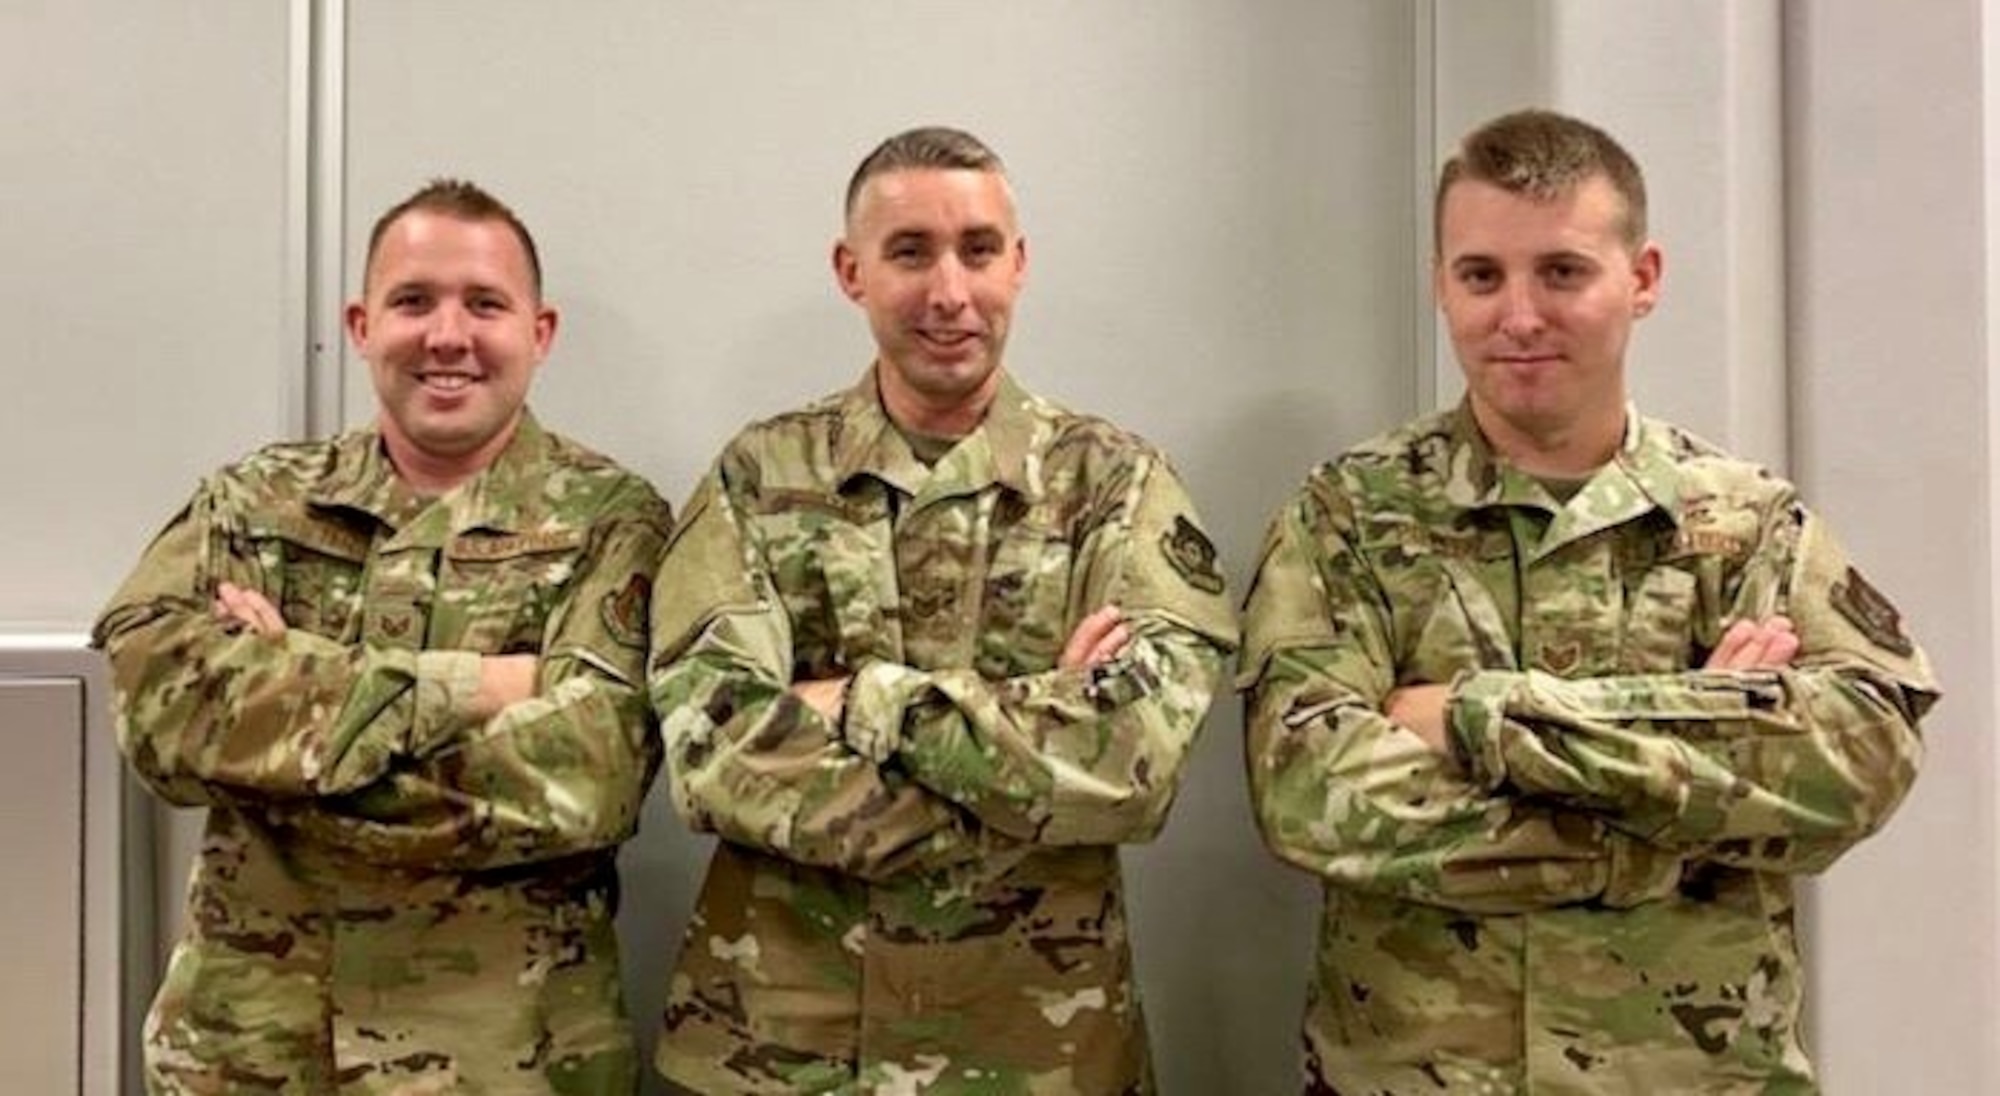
x=403 y=670
x=934 y=648
x=1558 y=700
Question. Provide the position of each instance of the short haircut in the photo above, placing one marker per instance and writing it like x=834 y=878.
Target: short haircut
x=465 y=201
x=935 y=148
x=1544 y=155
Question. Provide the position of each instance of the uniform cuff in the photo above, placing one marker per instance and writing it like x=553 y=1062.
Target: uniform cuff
x=1640 y=872
x=447 y=683
x=1475 y=710
x=871 y=719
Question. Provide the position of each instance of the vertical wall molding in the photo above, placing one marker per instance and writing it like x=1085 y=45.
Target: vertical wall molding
x=1424 y=167
x=315 y=215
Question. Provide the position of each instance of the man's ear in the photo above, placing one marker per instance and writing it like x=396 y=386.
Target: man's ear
x=355 y=318
x=1647 y=269
x=847 y=270
x=547 y=319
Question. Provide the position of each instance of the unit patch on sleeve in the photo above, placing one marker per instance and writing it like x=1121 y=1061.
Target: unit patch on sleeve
x=1871 y=613
x=1192 y=555
x=624 y=612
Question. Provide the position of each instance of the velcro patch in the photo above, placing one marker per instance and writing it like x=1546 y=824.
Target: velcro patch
x=624 y=612
x=1871 y=614
x=1192 y=555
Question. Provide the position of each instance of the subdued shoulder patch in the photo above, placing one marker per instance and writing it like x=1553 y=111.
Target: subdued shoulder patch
x=624 y=612
x=1192 y=555
x=1871 y=613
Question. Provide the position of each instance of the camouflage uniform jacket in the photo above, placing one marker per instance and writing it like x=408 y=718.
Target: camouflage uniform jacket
x=923 y=895
x=392 y=896
x=1595 y=893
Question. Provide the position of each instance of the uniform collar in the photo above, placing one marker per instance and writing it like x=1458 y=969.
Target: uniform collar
x=1643 y=475
x=867 y=443
x=510 y=495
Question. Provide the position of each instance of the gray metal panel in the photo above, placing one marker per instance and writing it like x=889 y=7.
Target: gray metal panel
x=76 y=816
x=42 y=846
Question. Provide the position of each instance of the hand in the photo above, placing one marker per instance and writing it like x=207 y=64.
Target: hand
x=1421 y=709
x=1768 y=644
x=240 y=607
x=1099 y=638
x=825 y=696
x=504 y=680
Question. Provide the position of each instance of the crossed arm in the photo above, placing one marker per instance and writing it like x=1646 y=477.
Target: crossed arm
x=503 y=679
x=1098 y=638
x=446 y=759
x=1767 y=644
x=1505 y=790
x=896 y=768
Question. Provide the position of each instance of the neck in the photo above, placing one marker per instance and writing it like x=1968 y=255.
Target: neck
x=949 y=416
x=432 y=474
x=1570 y=451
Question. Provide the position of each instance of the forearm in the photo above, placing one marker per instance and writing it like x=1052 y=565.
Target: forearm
x=1796 y=763
x=753 y=764
x=1343 y=792
x=209 y=715
x=550 y=777
x=1067 y=756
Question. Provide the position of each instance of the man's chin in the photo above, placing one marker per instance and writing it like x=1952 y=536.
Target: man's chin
x=959 y=362
x=933 y=375
x=451 y=441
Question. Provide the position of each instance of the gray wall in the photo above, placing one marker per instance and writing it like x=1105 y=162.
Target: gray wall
x=143 y=285
x=1225 y=205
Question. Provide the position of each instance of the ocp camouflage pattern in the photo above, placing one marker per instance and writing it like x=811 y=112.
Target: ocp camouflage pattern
x=393 y=896
x=1595 y=894
x=923 y=895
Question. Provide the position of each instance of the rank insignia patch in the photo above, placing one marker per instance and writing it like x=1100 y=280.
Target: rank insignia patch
x=1870 y=613
x=1192 y=555
x=624 y=612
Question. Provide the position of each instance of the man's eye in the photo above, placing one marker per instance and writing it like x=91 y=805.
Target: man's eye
x=1479 y=280
x=407 y=301
x=1565 y=274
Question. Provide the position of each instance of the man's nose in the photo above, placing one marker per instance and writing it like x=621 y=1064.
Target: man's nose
x=948 y=283
x=1521 y=310
x=448 y=331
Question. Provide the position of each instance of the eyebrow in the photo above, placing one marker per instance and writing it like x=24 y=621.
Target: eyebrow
x=1539 y=257
x=428 y=285
x=978 y=230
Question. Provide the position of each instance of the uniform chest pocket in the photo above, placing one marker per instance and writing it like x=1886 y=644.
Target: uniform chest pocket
x=495 y=594
x=831 y=562
x=1025 y=614
x=1659 y=622
x=317 y=574
x=1444 y=616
